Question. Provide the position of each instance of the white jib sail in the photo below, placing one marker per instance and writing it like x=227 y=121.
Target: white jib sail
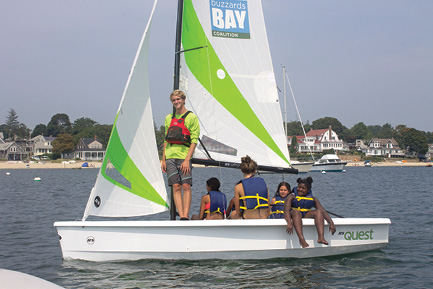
x=227 y=74
x=130 y=182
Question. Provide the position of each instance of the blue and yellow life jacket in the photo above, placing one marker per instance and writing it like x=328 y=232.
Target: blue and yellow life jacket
x=302 y=204
x=218 y=203
x=256 y=194
x=277 y=210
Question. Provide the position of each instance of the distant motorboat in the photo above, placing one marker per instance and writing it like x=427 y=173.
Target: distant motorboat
x=368 y=164
x=329 y=163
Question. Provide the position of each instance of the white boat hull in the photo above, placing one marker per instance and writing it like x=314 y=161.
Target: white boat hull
x=302 y=167
x=333 y=167
x=220 y=239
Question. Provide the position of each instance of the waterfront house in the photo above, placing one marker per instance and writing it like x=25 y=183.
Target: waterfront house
x=11 y=151
x=42 y=145
x=89 y=149
x=318 y=140
x=384 y=147
x=361 y=146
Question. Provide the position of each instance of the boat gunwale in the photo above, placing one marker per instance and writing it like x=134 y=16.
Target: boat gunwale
x=218 y=223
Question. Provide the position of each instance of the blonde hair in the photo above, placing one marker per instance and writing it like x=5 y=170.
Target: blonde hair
x=248 y=165
x=178 y=92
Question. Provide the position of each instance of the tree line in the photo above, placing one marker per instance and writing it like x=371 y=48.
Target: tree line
x=68 y=134
x=409 y=139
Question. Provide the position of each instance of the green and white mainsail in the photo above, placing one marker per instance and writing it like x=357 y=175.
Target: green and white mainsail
x=228 y=77
x=130 y=181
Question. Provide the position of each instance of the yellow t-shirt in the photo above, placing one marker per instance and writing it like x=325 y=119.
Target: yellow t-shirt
x=177 y=151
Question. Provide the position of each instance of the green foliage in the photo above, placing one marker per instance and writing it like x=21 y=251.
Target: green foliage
x=429 y=136
x=40 y=129
x=13 y=128
x=386 y=132
x=408 y=138
x=64 y=143
x=59 y=124
x=12 y=119
x=82 y=124
x=295 y=128
x=398 y=134
x=375 y=159
x=360 y=131
x=325 y=122
x=414 y=140
x=103 y=132
x=294 y=145
x=330 y=151
x=4 y=129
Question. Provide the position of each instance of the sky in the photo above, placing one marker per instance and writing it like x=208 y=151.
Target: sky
x=358 y=61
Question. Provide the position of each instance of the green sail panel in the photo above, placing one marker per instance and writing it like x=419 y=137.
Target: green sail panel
x=224 y=90
x=120 y=159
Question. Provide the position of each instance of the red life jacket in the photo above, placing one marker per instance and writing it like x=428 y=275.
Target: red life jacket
x=177 y=133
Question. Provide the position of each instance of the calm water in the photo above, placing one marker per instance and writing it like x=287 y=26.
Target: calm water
x=29 y=243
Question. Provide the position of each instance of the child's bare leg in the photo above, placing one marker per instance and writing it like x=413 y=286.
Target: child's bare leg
x=319 y=221
x=297 y=223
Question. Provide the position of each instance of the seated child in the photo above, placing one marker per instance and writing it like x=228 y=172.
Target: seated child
x=251 y=193
x=213 y=204
x=277 y=202
x=299 y=205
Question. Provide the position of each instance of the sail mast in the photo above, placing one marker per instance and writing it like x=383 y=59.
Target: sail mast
x=178 y=44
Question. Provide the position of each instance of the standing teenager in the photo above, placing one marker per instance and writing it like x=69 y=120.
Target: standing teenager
x=182 y=130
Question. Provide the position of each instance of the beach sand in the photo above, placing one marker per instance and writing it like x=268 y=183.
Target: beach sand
x=389 y=164
x=78 y=164
x=46 y=165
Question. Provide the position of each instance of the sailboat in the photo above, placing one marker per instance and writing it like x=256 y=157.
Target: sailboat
x=227 y=74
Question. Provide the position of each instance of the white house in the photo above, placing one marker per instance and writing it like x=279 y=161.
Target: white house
x=42 y=145
x=384 y=147
x=319 y=140
x=89 y=149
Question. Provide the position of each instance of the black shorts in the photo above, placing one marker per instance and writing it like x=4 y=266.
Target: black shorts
x=174 y=173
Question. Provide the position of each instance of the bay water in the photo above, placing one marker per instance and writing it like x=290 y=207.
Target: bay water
x=29 y=242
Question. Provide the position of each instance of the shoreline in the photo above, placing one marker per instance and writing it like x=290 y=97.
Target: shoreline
x=10 y=165
x=47 y=165
x=388 y=164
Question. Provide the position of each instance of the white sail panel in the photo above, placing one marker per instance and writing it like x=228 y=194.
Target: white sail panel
x=230 y=82
x=130 y=181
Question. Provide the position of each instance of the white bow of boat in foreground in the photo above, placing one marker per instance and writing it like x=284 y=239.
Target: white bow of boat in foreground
x=217 y=239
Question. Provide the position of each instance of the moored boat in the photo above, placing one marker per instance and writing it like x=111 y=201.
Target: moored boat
x=329 y=163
